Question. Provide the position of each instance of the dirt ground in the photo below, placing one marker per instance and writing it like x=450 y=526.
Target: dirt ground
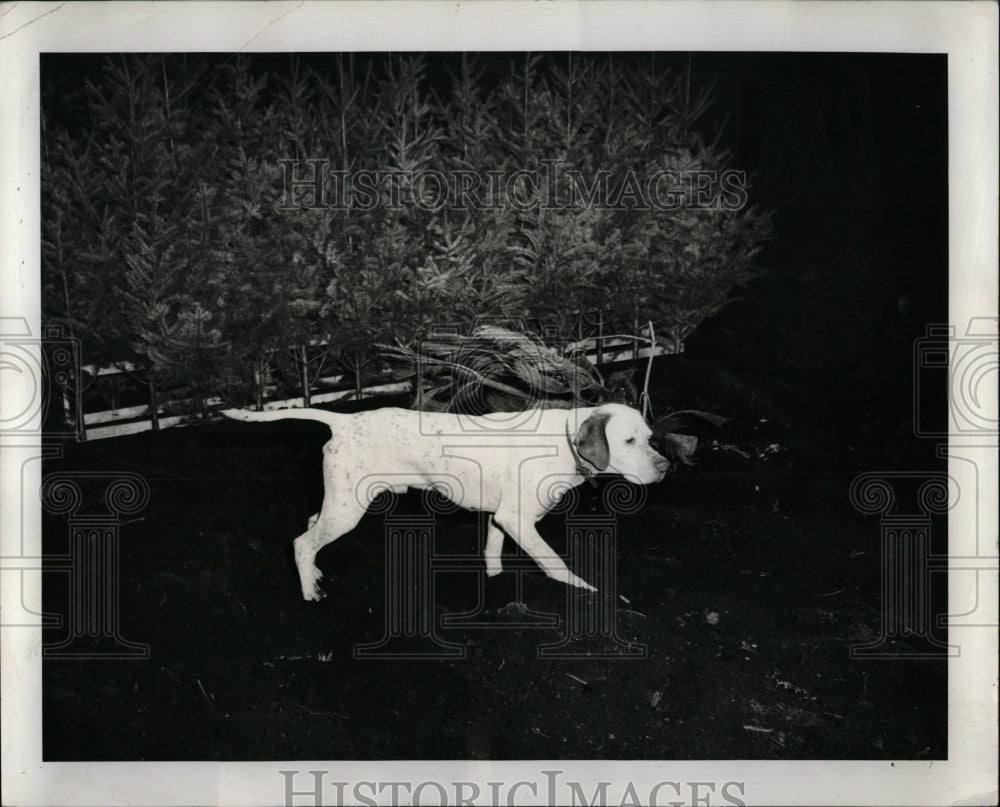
x=742 y=584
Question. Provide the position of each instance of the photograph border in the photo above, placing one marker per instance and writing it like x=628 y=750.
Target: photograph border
x=966 y=31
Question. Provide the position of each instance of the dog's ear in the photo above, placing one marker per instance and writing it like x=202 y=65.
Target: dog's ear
x=591 y=441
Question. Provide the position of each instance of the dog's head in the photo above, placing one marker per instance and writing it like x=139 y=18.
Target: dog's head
x=615 y=439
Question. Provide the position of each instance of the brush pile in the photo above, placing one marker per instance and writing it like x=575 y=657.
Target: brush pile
x=495 y=370
x=498 y=370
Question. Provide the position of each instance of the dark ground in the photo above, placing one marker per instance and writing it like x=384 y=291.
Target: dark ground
x=748 y=577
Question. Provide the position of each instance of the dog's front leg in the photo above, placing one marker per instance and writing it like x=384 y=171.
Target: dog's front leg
x=522 y=530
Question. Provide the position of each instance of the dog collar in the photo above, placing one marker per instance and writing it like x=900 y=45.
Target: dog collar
x=581 y=469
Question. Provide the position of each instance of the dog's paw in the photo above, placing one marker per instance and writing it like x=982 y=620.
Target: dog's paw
x=493 y=569
x=315 y=595
x=570 y=579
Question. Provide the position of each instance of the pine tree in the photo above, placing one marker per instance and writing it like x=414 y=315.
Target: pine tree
x=169 y=245
x=470 y=236
x=140 y=200
x=73 y=294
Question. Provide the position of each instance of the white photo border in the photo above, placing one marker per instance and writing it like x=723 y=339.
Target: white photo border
x=966 y=31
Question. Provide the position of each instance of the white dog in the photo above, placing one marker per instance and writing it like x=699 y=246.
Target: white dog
x=513 y=465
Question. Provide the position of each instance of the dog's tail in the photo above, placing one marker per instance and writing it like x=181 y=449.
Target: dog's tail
x=331 y=419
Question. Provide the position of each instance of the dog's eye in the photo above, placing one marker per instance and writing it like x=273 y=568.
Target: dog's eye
x=630 y=440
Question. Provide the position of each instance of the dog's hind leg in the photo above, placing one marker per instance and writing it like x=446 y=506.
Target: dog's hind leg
x=342 y=510
x=333 y=521
x=306 y=547
x=494 y=546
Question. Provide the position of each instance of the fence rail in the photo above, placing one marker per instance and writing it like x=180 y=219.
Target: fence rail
x=117 y=421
